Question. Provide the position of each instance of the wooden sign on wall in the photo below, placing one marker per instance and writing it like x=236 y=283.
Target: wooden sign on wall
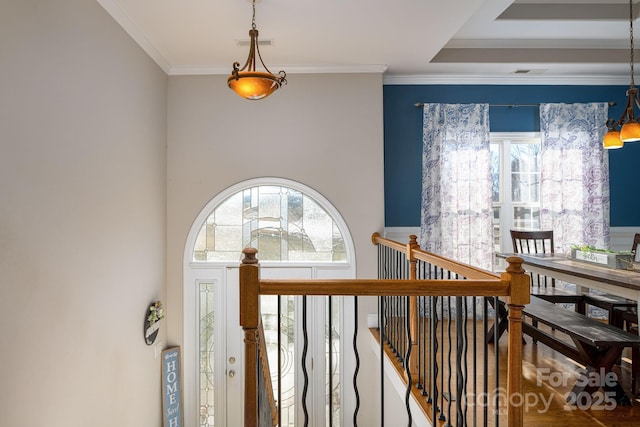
x=172 y=387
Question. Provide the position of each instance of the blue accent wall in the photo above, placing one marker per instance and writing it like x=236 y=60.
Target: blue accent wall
x=403 y=139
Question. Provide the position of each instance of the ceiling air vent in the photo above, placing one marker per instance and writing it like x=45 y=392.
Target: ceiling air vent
x=246 y=42
x=532 y=71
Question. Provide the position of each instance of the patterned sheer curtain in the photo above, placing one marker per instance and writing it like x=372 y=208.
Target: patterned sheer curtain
x=456 y=183
x=574 y=174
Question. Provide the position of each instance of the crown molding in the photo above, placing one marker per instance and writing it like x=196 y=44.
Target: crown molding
x=138 y=36
x=320 y=69
x=451 y=79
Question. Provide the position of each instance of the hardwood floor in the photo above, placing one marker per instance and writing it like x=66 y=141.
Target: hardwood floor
x=543 y=369
x=548 y=378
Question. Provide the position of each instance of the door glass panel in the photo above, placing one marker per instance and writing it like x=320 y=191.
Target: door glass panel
x=494 y=158
x=284 y=387
x=207 y=389
x=332 y=365
x=526 y=218
x=525 y=173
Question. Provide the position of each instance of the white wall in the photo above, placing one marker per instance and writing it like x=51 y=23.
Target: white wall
x=82 y=217
x=324 y=131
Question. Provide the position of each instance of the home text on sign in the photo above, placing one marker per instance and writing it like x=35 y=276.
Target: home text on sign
x=171 y=389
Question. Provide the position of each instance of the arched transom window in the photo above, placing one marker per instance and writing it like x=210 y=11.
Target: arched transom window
x=282 y=223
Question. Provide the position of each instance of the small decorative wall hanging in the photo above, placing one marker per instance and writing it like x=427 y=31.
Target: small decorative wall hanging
x=155 y=313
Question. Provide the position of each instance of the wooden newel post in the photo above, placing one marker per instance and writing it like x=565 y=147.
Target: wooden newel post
x=413 y=309
x=520 y=294
x=249 y=317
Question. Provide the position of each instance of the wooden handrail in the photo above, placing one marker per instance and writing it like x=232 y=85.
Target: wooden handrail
x=466 y=270
x=384 y=287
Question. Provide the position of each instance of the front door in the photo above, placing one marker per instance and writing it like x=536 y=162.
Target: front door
x=221 y=352
x=298 y=234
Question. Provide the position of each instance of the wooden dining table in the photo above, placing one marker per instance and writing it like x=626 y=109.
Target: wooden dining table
x=621 y=282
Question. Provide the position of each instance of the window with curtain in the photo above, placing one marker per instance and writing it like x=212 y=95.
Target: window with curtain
x=456 y=209
x=558 y=182
x=574 y=177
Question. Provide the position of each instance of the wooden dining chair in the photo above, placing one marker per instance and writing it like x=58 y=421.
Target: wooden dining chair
x=541 y=242
x=627 y=318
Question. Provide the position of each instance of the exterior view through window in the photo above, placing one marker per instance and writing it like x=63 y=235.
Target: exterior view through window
x=515 y=172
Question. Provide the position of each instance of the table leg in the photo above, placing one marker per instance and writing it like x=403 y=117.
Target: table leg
x=599 y=364
x=502 y=324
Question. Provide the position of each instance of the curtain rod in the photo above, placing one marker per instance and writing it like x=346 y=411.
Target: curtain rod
x=421 y=104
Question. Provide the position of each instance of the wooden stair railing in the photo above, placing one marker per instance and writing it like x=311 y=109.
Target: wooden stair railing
x=513 y=284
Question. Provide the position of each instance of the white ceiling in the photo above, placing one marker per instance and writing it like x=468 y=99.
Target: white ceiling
x=447 y=41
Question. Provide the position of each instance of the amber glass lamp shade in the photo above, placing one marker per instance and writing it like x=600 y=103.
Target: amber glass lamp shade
x=253 y=84
x=630 y=131
x=612 y=140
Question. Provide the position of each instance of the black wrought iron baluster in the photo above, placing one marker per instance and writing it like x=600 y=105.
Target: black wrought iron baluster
x=357 y=367
x=434 y=358
x=382 y=263
x=442 y=417
x=465 y=359
x=465 y=368
x=407 y=358
x=330 y=315
x=381 y=328
x=430 y=340
x=497 y=361
x=305 y=375
x=459 y=355
x=420 y=339
x=279 y=339
x=485 y=366
x=475 y=360
x=450 y=366
x=402 y=336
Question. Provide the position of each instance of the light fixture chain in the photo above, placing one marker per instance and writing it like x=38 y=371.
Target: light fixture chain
x=631 y=40
x=253 y=19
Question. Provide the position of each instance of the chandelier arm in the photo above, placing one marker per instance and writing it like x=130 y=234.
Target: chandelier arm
x=627 y=114
x=250 y=64
x=260 y=57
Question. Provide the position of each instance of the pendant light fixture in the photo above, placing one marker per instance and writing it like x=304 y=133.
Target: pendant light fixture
x=627 y=128
x=248 y=82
